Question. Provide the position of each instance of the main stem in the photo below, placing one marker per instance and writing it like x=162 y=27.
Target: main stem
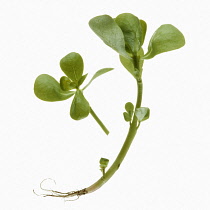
x=130 y=136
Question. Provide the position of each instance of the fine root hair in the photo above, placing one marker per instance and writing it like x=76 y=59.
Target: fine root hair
x=58 y=194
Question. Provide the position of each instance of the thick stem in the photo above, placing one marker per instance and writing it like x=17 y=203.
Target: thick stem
x=130 y=136
x=99 y=121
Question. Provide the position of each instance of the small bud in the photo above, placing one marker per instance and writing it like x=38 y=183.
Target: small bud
x=65 y=83
x=104 y=162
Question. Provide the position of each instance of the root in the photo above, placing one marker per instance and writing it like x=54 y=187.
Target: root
x=54 y=193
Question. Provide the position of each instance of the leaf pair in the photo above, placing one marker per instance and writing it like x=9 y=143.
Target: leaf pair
x=48 y=89
x=126 y=34
x=129 y=107
x=141 y=113
x=134 y=31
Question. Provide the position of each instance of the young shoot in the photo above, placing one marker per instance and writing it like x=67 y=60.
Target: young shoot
x=125 y=34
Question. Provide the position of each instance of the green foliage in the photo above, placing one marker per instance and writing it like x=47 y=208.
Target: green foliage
x=80 y=107
x=111 y=34
x=141 y=61
x=142 y=113
x=125 y=34
x=131 y=28
x=97 y=74
x=72 y=65
x=143 y=31
x=129 y=107
x=47 y=88
x=128 y=64
x=127 y=117
x=82 y=79
x=166 y=38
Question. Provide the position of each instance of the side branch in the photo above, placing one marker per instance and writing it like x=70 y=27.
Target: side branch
x=99 y=121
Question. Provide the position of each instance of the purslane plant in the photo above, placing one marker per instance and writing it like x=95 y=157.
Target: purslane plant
x=125 y=34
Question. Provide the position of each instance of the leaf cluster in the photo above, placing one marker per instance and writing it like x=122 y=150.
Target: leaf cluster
x=128 y=115
x=141 y=113
x=126 y=34
x=49 y=89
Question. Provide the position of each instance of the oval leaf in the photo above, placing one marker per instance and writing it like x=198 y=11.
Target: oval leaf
x=111 y=34
x=131 y=28
x=47 y=88
x=72 y=65
x=80 y=107
x=166 y=38
x=128 y=64
x=127 y=117
x=97 y=74
x=142 y=113
x=129 y=107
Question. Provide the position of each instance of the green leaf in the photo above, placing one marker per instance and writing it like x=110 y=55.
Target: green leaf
x=47 y=88
x=143 y=31
x=106 y=28
x=142 y=113
x=166 y=38
x=141 y=54
x=128 y=64
x=127 y=117
x=129 y=107
x=97 y=74
x=72 y=65
x=82 y=79
x=80 y=107
x=131 y=28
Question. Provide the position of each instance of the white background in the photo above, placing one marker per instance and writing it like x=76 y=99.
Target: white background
x=168 y=165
